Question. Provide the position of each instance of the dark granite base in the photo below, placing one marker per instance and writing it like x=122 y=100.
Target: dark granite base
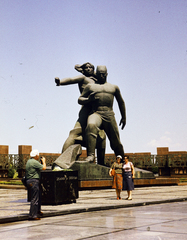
x=91 y=171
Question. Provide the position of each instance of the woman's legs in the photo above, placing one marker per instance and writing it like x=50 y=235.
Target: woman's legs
x=118 y=191
x=129 y=194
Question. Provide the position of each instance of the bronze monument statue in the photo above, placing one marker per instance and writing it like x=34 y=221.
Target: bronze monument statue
x=77 y=135
x=101 y=96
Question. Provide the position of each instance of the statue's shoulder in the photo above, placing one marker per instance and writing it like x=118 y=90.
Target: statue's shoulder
x=89 y=80
x=116 y=87
x=88 y=86
x=112 y=86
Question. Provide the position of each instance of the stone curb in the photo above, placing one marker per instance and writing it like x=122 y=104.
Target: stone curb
x=9 y=186
x=91 y=209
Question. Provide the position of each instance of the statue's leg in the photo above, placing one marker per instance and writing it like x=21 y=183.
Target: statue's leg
x=112 y=132
x=101 y=145
x=92 y=130
x=78 y=132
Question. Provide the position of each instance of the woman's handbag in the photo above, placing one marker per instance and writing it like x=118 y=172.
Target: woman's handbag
x=112 y=172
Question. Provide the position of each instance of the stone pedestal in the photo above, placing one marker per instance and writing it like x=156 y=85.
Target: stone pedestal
x=90 y=175
x=163 y=151
x=4 y=149
x=143 y=174
x=24 y=149
x=91 y=171
x=24 y=153
x=59 y=187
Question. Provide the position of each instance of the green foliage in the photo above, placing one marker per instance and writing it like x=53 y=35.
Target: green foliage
x=15 y=175
x=12 y=172
x=183 y=179
x=155 y=170
x=11 y=183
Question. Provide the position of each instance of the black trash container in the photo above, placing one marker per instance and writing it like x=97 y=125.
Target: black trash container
x=59 y=187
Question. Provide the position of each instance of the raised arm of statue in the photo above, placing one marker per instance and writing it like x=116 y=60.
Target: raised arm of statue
x=79 y=68
x=67 y=81
x=122 y=108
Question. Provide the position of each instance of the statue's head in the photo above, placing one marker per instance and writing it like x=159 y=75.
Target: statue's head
x=87 y=69
x=101 y=74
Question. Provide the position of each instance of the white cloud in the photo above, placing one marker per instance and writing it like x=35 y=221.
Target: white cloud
x=164 y=141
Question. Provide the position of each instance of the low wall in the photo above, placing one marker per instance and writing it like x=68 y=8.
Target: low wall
x=168 y=163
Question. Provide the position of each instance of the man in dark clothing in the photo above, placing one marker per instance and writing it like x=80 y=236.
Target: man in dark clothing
x=33 y=168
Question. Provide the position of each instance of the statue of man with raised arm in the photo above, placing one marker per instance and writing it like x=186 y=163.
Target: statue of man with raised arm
x=101 y=96
x=77 y=134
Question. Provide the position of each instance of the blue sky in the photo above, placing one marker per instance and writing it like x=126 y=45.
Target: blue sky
x=143 y=43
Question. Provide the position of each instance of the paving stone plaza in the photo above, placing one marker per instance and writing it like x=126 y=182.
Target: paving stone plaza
x=154 y=213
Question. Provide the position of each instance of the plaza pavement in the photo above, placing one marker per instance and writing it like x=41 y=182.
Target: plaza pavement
x=14 y=206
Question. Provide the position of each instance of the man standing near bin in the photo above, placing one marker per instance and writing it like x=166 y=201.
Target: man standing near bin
x=33 y=168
